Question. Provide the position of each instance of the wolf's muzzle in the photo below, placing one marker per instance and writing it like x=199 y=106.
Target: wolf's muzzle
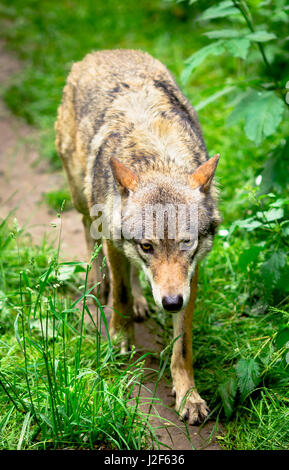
x=172 y=303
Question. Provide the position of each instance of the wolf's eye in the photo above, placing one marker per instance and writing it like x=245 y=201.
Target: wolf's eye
x=147 y=247
x=187 y=244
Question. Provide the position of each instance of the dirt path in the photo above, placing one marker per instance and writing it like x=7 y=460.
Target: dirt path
x=22 y=184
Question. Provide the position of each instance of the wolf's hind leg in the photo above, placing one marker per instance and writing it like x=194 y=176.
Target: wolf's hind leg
x=140 y=306
x=98 y=275
x=121 y=323
x=189 y=404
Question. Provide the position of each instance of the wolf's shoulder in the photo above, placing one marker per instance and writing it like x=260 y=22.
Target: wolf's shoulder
x=117 y=65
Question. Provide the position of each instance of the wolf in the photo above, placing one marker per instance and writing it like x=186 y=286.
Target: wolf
x=125 y=132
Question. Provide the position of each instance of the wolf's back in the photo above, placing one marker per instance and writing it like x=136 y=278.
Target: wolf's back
x=93 y=83
x=124 y=103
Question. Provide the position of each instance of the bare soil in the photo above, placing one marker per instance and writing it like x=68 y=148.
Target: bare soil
x=24 y=178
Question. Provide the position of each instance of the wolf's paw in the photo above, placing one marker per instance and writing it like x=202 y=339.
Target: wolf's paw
x=140 y=309
x=193 y=409
x=123 y=340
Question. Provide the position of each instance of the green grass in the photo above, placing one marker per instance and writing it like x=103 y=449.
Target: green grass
x=238 y=316
x=61 y=384
x=60 y=199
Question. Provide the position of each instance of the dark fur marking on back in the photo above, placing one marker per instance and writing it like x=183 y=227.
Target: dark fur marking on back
x=180 y=110
x=177 y=106
x=94 y=171
x=99 y=122
x=140 y=157
x=99 y=169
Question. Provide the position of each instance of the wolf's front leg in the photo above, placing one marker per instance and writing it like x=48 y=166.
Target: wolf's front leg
x=121 y=323
x=189 y=404
x=140 y=306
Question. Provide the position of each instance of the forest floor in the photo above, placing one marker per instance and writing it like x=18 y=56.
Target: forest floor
x=25 y=177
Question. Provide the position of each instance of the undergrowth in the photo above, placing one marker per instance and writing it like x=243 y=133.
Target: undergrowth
x=241 y=325
x=61 y=384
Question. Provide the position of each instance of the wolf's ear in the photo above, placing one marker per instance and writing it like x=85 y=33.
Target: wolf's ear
x=123 y=175
x=203 y=175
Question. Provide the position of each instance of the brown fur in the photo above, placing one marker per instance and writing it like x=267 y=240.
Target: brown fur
x=124 y=128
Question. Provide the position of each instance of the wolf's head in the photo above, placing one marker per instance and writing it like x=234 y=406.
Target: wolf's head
x=168 y=224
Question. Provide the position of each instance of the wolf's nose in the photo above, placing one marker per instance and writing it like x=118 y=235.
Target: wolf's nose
x=172 y=303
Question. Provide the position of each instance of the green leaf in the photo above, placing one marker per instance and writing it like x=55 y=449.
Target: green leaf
x=282 y=337
x=248 y=224
x=261 y=36
x=262 y=112
x=239 y=112
x=225 y=34
x=198 y=57
x=221 y=10
x=228 y=392
x=248 y=374
x=65 y=272
x=285 y=231
x=248 y=256
x=238 y=47
x=283 y=281
x=276 y=169
x=272 y=214
x=271 y=269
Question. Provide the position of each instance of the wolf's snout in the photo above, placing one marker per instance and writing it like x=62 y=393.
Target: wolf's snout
x=172 y=303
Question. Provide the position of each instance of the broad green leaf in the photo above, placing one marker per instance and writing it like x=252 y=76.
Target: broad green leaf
x=198 y=57
x=225 y=34
x=65 y=272
x=248 y=256
x=248 y=224
x=282 y=337
x=280 y=16
x=248 y=374
x=285 y=231
x=264 y=116
x=221 y=10
x=261 y=36
x=283 y=281
x=271 y=269
x=272 y=214
x=279 y=202
x=276 y=169
x=262 y=112
x=238 y=47
x=228 y=392
x=239 y=112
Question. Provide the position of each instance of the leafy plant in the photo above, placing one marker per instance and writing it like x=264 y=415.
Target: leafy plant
x=254 y=34
x=267 y=255
x=259 y=92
